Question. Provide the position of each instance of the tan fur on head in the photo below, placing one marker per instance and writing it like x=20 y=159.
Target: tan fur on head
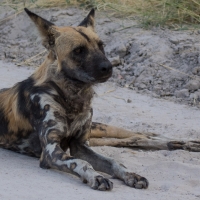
x=42 y=73
x=50 y=32
x=60 y=41
x=69 y=39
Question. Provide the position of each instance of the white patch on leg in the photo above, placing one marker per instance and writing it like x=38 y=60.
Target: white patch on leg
x=83 y=168
x=50 y=148
x=53 y=107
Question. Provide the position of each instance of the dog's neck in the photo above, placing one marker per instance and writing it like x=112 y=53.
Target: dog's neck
x=72 y=87
x=78 y=94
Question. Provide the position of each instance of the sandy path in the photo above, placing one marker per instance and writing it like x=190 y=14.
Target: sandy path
x=172 y=175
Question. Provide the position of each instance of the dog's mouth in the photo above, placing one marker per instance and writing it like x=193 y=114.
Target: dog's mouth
x=86 y=76
x=104 y=78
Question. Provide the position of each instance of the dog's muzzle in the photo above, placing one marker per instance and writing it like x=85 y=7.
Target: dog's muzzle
x=105 y=70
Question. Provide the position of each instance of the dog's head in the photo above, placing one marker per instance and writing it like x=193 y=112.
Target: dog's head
x=78 y=50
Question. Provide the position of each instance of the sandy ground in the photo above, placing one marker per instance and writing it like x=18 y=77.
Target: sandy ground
x=172 y=174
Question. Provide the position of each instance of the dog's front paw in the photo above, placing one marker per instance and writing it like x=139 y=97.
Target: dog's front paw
x=101 y=183
x=136 y=181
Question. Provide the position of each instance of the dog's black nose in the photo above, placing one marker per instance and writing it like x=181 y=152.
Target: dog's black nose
x=105 y=67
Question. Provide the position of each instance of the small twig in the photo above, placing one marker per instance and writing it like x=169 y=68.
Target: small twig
x=30 y=59
x=9 y=17
x=109 y=91
x=121 y=29
x=170 y=68
x=119 y=98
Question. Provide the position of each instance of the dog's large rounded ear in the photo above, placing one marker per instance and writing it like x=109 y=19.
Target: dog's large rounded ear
x=46 y=29
x=89 y=20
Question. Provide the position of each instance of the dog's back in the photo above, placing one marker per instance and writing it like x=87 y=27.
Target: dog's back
x=17 y=109
x=16 y=130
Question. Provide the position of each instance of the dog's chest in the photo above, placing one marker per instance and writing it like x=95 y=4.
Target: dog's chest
x=78 y=114
x=78 y=110
x=79 y=124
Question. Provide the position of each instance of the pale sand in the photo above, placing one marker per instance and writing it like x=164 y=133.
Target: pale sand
x=172 y=174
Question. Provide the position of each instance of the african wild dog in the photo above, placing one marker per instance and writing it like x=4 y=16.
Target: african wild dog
x=50 y=111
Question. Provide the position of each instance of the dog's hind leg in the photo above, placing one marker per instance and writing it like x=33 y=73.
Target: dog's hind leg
x=102 y=134
x=107 y=165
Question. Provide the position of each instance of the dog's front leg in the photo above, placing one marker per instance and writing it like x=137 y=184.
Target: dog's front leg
x=107 y=165
x=54 y=157
x=50 y=123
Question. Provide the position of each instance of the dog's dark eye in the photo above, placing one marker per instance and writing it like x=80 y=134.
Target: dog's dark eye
x=78 y=50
